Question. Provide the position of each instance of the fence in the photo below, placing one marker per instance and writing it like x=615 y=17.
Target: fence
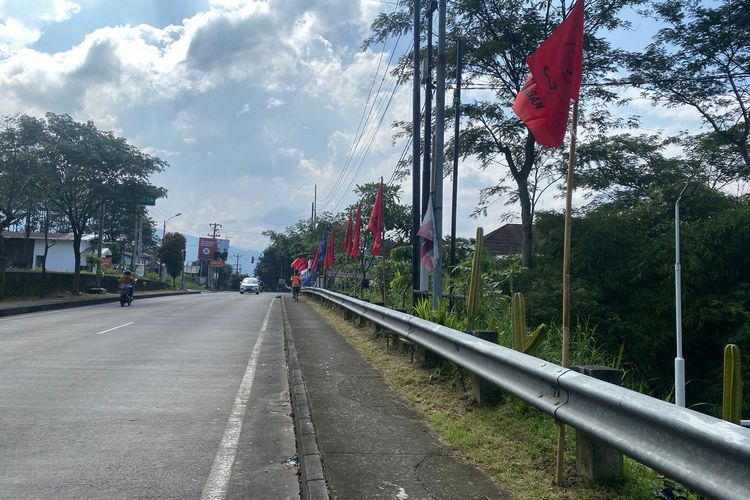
x=707 y=454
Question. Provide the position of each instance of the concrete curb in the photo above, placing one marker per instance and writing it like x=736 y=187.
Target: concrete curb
x=312 y=478
x=11 y=311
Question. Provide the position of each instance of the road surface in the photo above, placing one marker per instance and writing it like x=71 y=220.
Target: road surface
x=179 y=397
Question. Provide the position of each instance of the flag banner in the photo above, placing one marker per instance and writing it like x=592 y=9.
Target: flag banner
x=295 y=262
x=301 y=264
x=348 y=237
x=428 y=250
x=375 y=225
x=328 y=262
x=307 y=280
x=355 y=234
x=556 y=67
x=316 y=256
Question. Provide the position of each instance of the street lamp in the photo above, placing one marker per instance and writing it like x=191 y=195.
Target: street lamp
x=679 y=361
x=164 y=229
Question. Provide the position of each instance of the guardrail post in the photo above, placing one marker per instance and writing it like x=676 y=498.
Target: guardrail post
x=596 y=460
x=483 y=391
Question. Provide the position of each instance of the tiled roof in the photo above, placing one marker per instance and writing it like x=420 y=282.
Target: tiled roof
x=505 y=240
x=20 y=235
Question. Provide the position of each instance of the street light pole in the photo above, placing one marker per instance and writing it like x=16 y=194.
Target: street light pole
x=164 y=228
x=679 y=361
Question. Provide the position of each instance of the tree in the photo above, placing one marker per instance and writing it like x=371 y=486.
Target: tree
x=172 y=253
x=701 y=60
x=87 y=167
x=498 y=37
x=19 y=165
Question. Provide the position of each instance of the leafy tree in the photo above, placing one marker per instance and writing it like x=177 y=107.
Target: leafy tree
x=499 y=36
x=171 y=253
x=701 y=60
x=87 y=167
x=19 y=149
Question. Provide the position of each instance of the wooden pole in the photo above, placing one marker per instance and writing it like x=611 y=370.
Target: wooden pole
x=566 y=286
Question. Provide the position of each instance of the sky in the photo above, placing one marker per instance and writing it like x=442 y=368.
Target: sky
x=252 y=103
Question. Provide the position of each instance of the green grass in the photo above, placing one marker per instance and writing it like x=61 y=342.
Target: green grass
x=512 y=442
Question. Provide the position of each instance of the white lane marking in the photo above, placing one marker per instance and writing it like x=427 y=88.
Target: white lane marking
x=221 y=470
x=115 y=328
x=268 y=315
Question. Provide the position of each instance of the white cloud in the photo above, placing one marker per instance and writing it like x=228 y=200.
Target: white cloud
x=274 y=102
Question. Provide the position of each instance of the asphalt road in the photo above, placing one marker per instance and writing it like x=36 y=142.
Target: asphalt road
x=179 y=397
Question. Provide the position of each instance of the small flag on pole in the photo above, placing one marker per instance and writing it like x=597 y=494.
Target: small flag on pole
x=556 y=68
x=376 y=223
x=331 y=248
x=428 y=250
x=355 y=234
x=348 y=236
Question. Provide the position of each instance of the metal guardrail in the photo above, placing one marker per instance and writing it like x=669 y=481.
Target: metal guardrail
x=707 y=454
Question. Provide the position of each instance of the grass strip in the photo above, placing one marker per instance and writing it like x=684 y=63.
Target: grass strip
x=511 y=441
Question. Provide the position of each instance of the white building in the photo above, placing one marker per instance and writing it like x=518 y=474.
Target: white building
x=23 y=253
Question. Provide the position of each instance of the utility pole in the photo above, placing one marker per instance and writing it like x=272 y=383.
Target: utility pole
x=215 y=232
x=315 y=204
x=99 y=247
x=437 y=277
x=427 y=160
x=237 y=265
x=456 y=129
x=415 y=151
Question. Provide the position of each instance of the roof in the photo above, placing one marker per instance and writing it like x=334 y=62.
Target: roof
x=21 y=235
x=505 y=240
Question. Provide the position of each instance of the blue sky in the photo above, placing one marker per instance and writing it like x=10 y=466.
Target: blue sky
x=251 y=102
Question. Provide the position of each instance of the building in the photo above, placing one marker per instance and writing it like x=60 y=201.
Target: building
x=505 y=240
x=26 y=253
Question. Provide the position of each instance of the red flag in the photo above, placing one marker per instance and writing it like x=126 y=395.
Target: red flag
x=355 y=234
x=556 y=67
x=330 y=249
x=315 y=259
x=428 y=249
x=301 y=264
x=348 y=236
x=376 y=225
x=295 y=262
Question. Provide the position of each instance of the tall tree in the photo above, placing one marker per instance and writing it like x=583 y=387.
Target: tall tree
x=499 y=36
x=87 y=167
x=19 y=154
x=171 y=253
x=701 y=59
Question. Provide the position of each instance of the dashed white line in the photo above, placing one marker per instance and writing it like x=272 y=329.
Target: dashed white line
x=221 y=470
x=115 y=328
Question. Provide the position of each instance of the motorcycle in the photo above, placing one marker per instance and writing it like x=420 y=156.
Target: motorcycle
x=126 y=294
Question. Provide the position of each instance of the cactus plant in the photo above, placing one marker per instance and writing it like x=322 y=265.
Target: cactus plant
x=732 y=404
x=472 y=302
x=523 y=342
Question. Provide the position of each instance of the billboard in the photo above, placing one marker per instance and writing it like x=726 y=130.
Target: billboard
x=206 y=248
x=222 y=246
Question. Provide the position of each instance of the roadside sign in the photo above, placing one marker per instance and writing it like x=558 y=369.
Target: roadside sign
x=147 y=200
x=217 y=263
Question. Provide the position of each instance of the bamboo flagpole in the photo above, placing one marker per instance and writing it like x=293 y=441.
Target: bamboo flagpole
x=543 y=104
x=560 y=462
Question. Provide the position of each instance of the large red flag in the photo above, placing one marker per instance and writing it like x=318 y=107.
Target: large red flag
x=355 y=234
x=376 y=225
x=301 y=264
x=330 y=249
x=348 y=236
x=295 y=262
x=556 y=68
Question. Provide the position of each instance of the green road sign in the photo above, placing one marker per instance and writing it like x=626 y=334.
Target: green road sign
x=147 y=200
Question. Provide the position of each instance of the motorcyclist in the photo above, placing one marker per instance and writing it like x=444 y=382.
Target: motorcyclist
x=128 y=280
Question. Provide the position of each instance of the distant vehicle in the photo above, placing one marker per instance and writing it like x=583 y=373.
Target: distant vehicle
x=250 y=285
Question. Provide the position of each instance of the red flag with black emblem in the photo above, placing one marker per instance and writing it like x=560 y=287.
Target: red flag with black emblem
x=556 y=69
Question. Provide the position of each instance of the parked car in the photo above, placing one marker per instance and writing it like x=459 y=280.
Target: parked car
x=250 y=285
